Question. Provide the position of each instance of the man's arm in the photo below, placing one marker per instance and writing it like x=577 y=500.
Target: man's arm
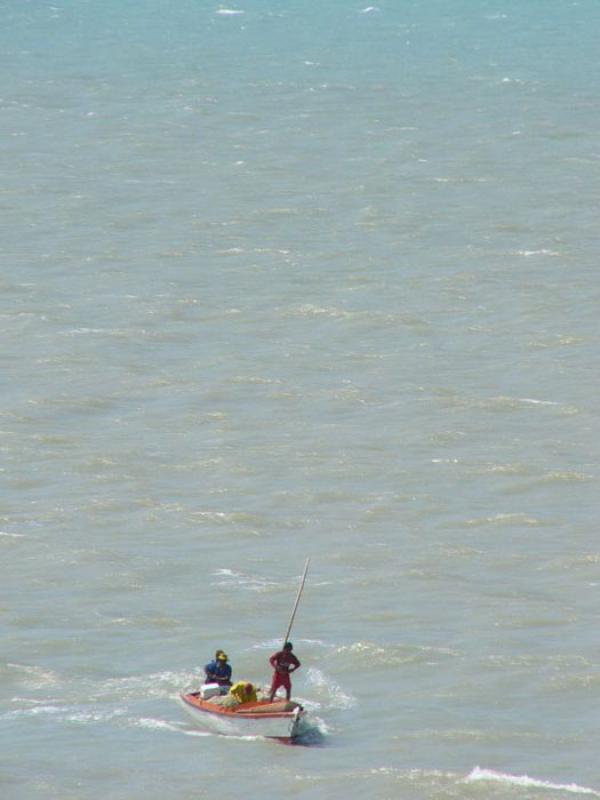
x=209 y=669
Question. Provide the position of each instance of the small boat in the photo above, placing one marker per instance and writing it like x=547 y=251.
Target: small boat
x=280 y=719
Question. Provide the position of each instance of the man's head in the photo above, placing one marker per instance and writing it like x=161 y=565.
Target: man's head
x=288 y=646
x=222 y=656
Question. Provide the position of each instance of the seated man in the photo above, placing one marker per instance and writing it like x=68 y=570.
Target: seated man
x=243 y=692
x=218 y=671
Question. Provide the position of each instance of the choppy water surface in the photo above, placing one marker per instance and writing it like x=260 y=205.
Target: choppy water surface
x=289 y=282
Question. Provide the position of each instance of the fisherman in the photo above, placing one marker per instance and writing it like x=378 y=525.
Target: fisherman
x=243 y=692
x=284 y=662
x=218 y=671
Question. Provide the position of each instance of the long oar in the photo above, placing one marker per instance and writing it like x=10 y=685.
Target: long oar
x=289 y=628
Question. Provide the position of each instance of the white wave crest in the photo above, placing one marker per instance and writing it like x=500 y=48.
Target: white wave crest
x=479 y=774
x=154 y=724
x=535 y=402
x=32 y=676
x=542 y=252
x=335 y=696
x=160 y=684
x=243 y=580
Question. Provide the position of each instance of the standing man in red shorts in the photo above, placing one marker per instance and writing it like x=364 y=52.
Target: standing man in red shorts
x=284 y=663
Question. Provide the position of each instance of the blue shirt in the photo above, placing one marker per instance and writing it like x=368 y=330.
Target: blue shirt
x=218 y=672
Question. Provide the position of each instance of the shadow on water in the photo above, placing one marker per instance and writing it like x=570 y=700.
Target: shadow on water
x=311 y=737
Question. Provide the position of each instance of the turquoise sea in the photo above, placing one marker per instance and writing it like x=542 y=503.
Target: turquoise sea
x=289 y=280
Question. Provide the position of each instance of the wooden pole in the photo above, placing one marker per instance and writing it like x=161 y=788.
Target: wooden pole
x=289 y=628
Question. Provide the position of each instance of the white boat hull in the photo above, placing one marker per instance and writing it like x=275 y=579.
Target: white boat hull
x=284 y=725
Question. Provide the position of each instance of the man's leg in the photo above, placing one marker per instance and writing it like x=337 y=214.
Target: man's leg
x=275 y=684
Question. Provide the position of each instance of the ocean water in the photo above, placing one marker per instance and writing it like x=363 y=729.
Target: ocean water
x=289 y=280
